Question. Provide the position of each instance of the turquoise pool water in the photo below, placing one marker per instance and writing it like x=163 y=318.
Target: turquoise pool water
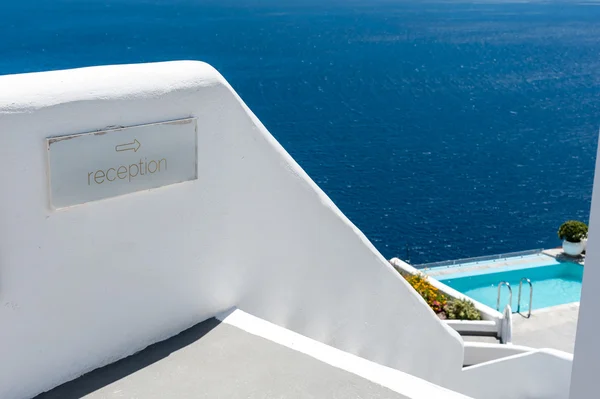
x=553 y=284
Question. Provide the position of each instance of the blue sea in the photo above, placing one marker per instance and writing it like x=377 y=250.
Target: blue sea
x=453 y=129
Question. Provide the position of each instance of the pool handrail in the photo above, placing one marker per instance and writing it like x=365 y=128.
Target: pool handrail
x=499 y=292
x=530 y=296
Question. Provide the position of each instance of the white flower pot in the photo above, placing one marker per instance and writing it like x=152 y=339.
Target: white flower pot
x=573 y=248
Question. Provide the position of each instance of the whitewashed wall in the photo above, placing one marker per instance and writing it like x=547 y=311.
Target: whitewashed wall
x=482 y=352
x=539 y=374
x=85 y=286
x=586 y=361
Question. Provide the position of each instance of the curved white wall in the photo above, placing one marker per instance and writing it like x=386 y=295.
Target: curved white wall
x=84 y=286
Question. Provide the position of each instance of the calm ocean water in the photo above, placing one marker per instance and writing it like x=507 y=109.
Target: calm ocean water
x=458 y=129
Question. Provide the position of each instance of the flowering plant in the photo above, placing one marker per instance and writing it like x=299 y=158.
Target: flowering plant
x=434 y=298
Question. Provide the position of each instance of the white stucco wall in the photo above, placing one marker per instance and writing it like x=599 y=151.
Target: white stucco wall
x=84 y=286
x=482 y=352
x=586 y=360
x=540 y=374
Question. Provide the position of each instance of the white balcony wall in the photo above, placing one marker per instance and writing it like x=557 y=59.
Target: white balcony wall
x=90 y=284
x=587 y=346
x=539 y=374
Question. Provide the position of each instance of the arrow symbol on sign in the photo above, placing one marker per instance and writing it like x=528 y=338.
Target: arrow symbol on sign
x=129 y=146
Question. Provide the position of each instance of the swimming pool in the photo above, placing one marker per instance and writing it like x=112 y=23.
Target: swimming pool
x=554 y=284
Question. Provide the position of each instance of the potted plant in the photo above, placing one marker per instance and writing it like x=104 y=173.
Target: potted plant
x=574 y=236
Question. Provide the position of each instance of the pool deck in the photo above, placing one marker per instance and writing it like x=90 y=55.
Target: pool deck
x=559 y=255
x=488 y=266
x=552 y=327
x=517 y=262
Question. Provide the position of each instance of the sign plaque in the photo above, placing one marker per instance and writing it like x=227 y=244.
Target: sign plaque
x=97 y=165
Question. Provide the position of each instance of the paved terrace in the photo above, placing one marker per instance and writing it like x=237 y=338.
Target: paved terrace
x=552 y=327
x=217 y=360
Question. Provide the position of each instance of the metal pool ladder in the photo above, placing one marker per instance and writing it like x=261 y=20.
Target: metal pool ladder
x=530 y=296
x=509 y=297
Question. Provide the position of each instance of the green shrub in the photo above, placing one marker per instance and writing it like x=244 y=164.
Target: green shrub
x=461 y=309
x=573 y=231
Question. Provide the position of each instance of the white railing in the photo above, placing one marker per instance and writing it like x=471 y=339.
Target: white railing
x=478 y=259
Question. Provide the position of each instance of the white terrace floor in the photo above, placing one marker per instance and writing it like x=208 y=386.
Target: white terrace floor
x=552 y=327
x=225 y=359
x=216 y=360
